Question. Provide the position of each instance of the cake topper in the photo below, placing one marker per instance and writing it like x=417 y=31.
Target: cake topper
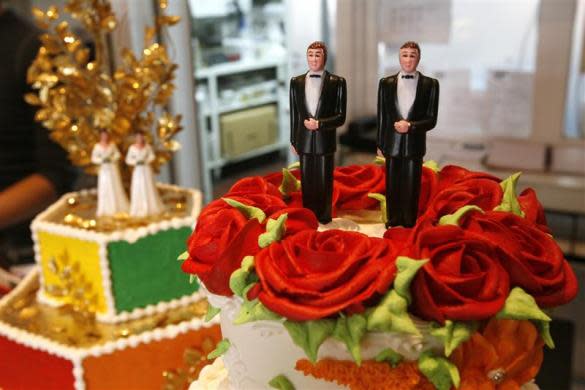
x=144 y=197
x=407 y=108
x=111 y=197
x=317 y=108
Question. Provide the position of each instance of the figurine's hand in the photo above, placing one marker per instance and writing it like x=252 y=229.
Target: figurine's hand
x=294 y=150
x=402 y=126
x=311 y=124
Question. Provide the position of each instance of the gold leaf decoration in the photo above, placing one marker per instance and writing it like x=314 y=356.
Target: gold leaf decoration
x=79 y=96
x=65 y=326
x=71 y=286
x=52 y=13
x=194 y=360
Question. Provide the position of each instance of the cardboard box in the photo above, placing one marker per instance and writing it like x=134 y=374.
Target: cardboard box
x=244 y=131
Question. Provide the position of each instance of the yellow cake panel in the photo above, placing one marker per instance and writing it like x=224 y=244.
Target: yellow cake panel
x=71 y=271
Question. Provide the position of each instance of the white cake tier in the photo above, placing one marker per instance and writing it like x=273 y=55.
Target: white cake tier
x=262 y=350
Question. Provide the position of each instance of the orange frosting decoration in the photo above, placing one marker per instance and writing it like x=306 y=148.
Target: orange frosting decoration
x=504 y=356
x=370 y=375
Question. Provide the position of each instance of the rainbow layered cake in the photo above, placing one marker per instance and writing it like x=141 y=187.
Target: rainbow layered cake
x=106 y=307
x=461 y=300
x=123 y=264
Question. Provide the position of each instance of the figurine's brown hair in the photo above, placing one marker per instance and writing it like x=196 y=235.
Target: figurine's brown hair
x=319 y=45
x=411 y=45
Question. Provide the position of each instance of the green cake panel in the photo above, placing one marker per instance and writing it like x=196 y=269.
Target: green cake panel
x=147 y=272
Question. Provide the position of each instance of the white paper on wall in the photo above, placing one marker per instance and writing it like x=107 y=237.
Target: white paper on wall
x=419 y=20
x=460 y=108
x=508 y=104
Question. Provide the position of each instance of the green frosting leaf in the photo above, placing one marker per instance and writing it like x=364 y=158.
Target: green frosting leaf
x=406 y=271
x=281 y=382
x=183 y=256
x=453 y=334
x=453 y=219
x=382 y=199
x=379 y=160
x=212 y=311
x=389 y=355
x=509 y=200
x=192 y=279
x=289 y=183
x=432 y=164
x=439 y=371
x=309 y=335
x=274 y=231
x=521 y=306
x=239 y=279
x=221 y=348
x=254 y=311
x=295 y=165
x=391 y=315
x=350 y=330
x=248 y=211
x=544 y=327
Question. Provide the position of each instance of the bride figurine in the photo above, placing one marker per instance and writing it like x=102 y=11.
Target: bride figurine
x=111 y=196
x=144 y=197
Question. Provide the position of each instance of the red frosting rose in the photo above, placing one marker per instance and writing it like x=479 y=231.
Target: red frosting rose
x=462 y=279
x=298 y=219
x=267 y=203
x=313 y=275
x=482 y=192
x=452 y=174
x=355 y=182
x=533 y=210
x=218 y=245
x=532 y=258
x=253 y=185
x=276 y=177
x=295 y=198
x=428 y=189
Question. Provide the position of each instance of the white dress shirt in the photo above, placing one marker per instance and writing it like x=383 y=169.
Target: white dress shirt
x=313 y=91
x=406 y=92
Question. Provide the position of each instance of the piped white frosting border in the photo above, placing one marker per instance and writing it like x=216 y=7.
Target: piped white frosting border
x=150 y=309
x=130 y=235
x=103 y=239
x=77 y=355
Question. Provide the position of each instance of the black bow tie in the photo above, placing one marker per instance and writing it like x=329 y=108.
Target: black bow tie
x=407 y=76
x=318 y=76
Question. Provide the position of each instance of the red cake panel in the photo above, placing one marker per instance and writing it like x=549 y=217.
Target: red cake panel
x=24 y=368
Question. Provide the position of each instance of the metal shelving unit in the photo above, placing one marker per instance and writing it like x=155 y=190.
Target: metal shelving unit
x=250 y=83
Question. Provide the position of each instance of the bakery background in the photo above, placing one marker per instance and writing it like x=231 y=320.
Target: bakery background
x=512 y=97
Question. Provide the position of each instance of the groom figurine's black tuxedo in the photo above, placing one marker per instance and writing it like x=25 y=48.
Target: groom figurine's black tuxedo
x=317 y=108
x=407 y=108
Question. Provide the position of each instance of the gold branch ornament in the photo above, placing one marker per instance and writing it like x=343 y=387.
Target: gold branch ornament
x=79 y=96
x=71 y=286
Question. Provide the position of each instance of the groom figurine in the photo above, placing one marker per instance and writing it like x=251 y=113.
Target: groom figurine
x=407 y=108
x=317 y=108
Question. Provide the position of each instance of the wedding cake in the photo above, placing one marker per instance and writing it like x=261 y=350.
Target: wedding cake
x=460 y=300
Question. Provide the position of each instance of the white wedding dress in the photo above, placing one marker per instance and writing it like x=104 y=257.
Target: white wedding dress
x=111 y=196
x=144 y=197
